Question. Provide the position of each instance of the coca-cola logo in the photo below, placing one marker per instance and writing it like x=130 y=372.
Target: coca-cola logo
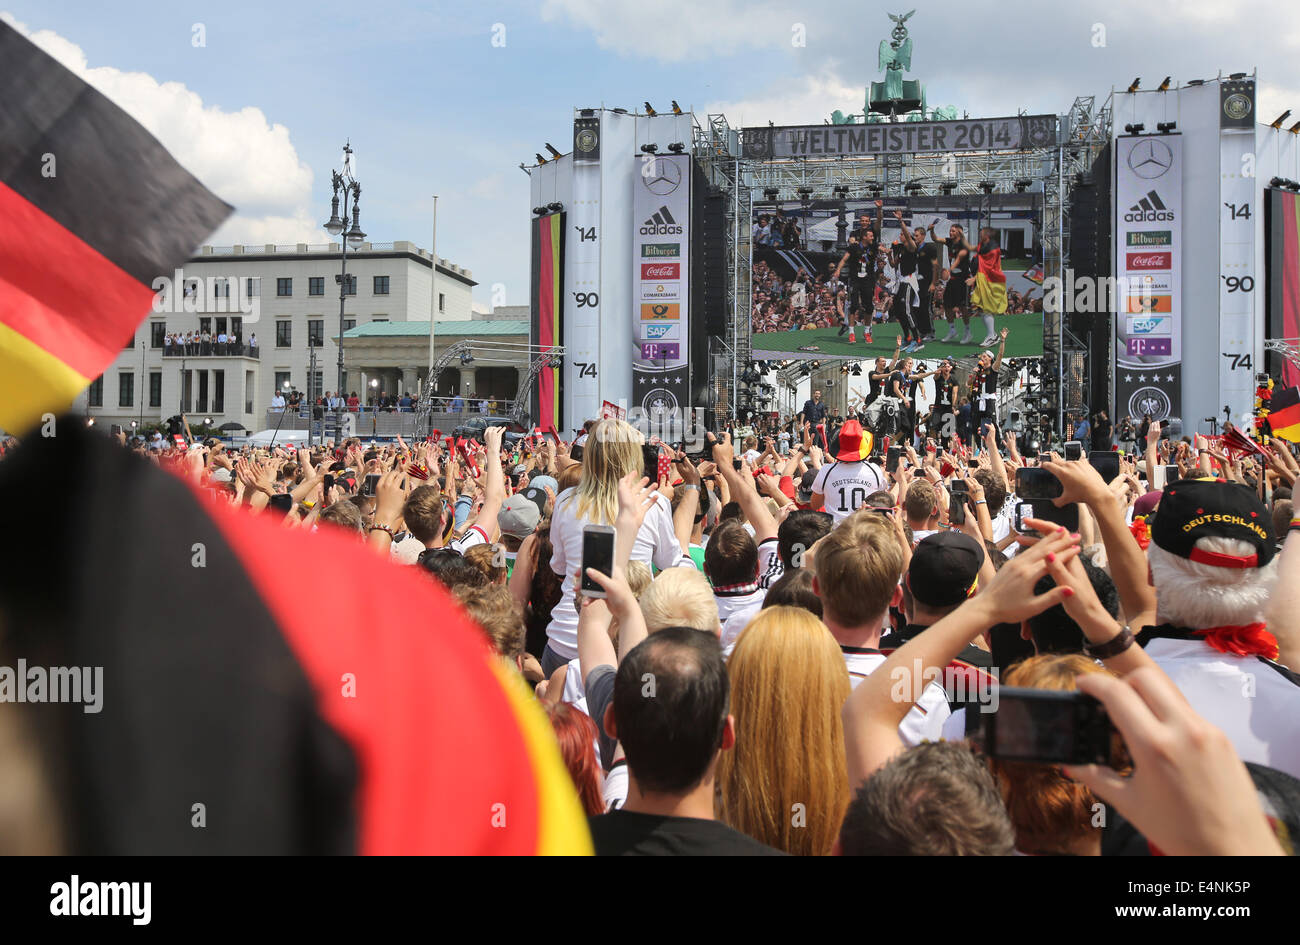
x=661 y=270
x=1149 y=260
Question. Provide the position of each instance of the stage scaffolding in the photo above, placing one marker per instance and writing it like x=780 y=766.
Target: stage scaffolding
x=1053 y=171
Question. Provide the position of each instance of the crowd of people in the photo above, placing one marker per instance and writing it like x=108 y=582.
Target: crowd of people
x=790 y=643
x=205 y=342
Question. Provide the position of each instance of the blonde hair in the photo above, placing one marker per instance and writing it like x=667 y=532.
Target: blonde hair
x=613 y=450
x=785 y=782
x=858 y=565
x=680 y=597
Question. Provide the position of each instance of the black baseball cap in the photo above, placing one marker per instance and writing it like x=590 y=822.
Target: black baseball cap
x=803 y=494
x=1191 y=509
x=944 y=568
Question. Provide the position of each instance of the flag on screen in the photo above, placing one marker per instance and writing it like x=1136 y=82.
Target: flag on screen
x=1284 y=414
x=350 y=707
x=94 y=210
x=1035 y=274
x=990 y=291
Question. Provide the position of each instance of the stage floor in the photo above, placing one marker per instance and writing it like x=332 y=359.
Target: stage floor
x=1025 y=341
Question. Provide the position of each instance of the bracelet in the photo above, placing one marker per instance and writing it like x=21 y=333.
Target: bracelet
x=1112 y=647
x=981 y=501
x=689 y=485
x=381 y=528
x=1295 y=523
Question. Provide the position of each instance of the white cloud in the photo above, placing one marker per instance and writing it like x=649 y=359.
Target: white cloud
x=803 y=101
x=240 y=156
x=675 y=30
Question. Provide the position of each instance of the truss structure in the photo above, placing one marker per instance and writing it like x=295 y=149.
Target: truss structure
x=500 y=352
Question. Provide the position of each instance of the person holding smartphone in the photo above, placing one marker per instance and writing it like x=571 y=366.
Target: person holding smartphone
x=612 y=451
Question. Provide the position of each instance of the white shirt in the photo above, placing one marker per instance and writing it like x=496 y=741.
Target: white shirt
x=924 y=721
x=277 y=402
x=655 y=544
x=846 y=486
x=1256 y=706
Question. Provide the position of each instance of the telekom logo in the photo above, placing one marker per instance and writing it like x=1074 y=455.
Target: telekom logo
x=661 y=270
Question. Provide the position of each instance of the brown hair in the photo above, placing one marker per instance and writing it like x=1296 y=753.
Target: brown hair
x=422 y=514
x=858 y=565
x=921 y=501
x=484 y=557
x=493 y=609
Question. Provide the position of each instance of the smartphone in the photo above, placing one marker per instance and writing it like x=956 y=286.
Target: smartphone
x=1033 y=482
x=1067 y=516
x=1073 y=451
x=575 y=453
x=281 y=502
x=597 y=553
x=650 y=461
x=329 y=482
x=1023 y=511
x=958 y=494
x=892 y=458
x=1046 y=726
x=1106 y=463
x=370 y=484
x=1172 y=473
x=737 y=465
x=1044 y=458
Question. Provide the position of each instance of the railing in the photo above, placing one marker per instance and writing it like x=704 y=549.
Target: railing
x=365 y=421
x=212 y=349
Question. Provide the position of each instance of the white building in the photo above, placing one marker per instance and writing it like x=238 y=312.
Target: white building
x=290 y=306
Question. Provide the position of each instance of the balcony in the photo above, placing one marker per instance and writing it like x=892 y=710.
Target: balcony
x=212 y=349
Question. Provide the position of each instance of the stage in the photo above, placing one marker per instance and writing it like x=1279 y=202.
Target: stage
x=1025 y=341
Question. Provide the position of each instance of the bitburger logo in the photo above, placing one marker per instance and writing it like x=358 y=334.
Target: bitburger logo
x=1150 y=209
x=661 y=223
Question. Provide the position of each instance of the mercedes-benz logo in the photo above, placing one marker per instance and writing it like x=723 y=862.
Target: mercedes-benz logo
x=663 y=178
x=1150 y=158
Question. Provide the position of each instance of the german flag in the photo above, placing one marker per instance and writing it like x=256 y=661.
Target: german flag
x=94 y=210
x=1284 y=414
x=990 y=291
x=264 y=690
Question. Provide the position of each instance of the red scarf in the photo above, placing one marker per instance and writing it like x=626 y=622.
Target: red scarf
x=1252 y=639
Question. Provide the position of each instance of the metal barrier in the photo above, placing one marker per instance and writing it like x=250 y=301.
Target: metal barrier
x=367 y=421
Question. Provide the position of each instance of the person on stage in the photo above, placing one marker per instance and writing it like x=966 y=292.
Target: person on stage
x=927 y=259
x=989 y=283
x=864 y=245
x=985 y=393
x=956 y=293
x=942 y=425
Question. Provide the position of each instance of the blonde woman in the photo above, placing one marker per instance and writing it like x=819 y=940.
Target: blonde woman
x=785 y=783
x=612 y=451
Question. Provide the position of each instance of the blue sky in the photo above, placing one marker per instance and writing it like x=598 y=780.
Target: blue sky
x=432 y=106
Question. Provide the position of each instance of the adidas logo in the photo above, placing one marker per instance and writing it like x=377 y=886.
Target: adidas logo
x=1149 y=209
x=661 y=223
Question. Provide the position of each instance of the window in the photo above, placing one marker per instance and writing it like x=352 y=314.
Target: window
x=221 y=326
x=284 y=334
x=155 y=388
x=205 y=324
x=130 y=342
x=351 y=286
x=218 y=391
x=381 y=285
x=379 y=318
x=187 y=390
x=125 y=389
x=442 y=302
x=202 y=404
x=157 y=333
x=95 y=395
x=221 y=288
x=281 y=382
x=315 y=332
x=248 y=392
x=253 y=286
x=316 y=285
x=349 y=323
x=283 y=288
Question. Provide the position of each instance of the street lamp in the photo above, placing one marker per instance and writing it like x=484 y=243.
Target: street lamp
x=347 y=185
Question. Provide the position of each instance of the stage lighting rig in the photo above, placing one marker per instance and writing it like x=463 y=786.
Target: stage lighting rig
x=677 y=147
x=677 y=109
x=1164 y=86
x=856 y=370
x=1277 y=122
x=1165 y=127
x=1134 y=87
x=1195 y=82
x=540 y=159
x=913 y=188
x=555 y=207
x=839 y=190
x=554 y=153
x=1135 y=129
x=986 y=186
x=771 y=193
x=649 y=110
x=1295 y=129
x=649 y=149
x=947 y=188
x=588 y=113
x=1022 y=186
x=539 y=211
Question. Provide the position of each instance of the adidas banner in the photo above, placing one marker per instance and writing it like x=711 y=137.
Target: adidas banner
x=660 y=262
x=1148 y=270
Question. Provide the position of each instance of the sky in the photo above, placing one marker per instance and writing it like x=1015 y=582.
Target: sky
x=257 y=99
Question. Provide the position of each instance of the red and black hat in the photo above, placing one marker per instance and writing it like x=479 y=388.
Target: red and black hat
x=1191 y=509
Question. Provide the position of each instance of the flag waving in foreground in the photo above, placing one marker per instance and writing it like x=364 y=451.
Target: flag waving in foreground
x=989 y=293
x=94 y=210
x=1284 y=414
x=343 y=704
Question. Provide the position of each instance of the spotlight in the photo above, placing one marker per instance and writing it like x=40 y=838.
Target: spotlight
x=677 y=109
x=133 y=424
x=1195 y=82
x=588 y=113
x=1022 y=186
x=207 y=422
x=912 y=188
x=840 y=190
x=1277 y=122
x=986 y=186
x=1164 y=86
x=649 y=110
x=551 y=148
x=677 y=147
x=1135 y=129
x=1136 y=83
x=1277 y=182
x=555 y=207
x=770 y=193
x=856 y=370
x=539 y=211
x=540 y=159
x=875 y=189
x=1237 y=75
x=90 y=421
x=619 y=111
x=650 y=148
x=1295 y=129
x=1164 y=127
x=947 y=188
x=804 y=191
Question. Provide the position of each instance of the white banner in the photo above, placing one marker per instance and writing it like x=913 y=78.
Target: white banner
x=1148 y=270
x=661 y=209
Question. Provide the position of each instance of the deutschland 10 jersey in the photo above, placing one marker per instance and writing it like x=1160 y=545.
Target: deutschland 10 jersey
x=846 y=486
